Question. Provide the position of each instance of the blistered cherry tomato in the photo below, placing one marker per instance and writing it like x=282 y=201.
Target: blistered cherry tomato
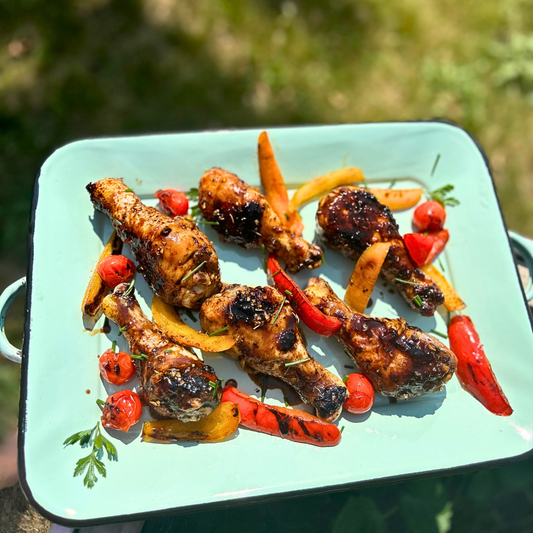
x=172 y=202
x=115 y=269
x=361 y=392
x=429 y=216
x=121 y=410
x=116 y=367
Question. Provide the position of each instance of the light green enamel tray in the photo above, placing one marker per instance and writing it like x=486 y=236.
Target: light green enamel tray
x=434 y=434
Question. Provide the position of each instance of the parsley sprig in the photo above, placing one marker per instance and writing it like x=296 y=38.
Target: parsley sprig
x=441 y=196
x=93 y=462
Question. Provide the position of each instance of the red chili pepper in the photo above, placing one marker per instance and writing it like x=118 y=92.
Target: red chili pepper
x=473 y=368
x=429 y=216
x=172 y=202
x=424 y=247
x=310 y=314
x=121 y=410
x=362 y=395
x=116 y=367
x=291 y=424
x=115 y=269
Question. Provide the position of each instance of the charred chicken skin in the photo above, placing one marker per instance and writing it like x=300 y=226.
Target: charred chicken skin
x=244 y=217
x=269 y=342
x=400 y=360
x=174 y=382
x=167 y=249
x=350 y=219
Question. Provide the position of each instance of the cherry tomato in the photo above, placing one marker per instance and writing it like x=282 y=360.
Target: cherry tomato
x=115 y=269
x=429 y=216
x=172 y=202
x=361 y=394
x=419 y=246
x=121 y=410
x=116 y=367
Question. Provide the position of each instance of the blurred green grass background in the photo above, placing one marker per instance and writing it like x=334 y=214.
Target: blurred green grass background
x=72 y=69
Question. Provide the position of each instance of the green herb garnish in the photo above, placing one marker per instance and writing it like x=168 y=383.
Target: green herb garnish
x=114 y=346
x=169 y=350
x=286 y=401
x=288 y=292
x=219 y=331
x=441 y=265
x=279 y=311
x=193 y=271
x=122 y=330
x=323 y=259
x=192 y=194
x=345 y=379
x=435 y=332
x=128 y=190
x=418 y=301
x=405 y=281
x=214 y=386
x=92 y=463
x=342 y=429
x=139 y=356
x=116 y=220
x=130 y=288
x=265 y=258
x=298 y=362
x=435 y=164
x=392 y=183
x=275 y=273
x=440 y=195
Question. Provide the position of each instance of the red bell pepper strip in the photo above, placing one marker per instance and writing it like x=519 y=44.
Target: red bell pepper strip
x=473 y=368
x=291 y=424
x=310 y=314
x=424 y=247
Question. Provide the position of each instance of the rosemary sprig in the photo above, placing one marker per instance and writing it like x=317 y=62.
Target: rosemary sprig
x=122 y=330
x=418 y=301
x=405 y=281
x=92 y=463
x=298 y=362
x=194 y=271
x=128 y=190
x=279 y=311
x=435 y=332
x=272 y=275
x=441 y=265
x=393 y=183
x=288 y=292
x=435 y=164
x=138 y=356
x=219 y=331
x=214 y=385
x=130 y=288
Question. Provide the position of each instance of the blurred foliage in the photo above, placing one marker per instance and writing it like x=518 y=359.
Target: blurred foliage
x=72 y=69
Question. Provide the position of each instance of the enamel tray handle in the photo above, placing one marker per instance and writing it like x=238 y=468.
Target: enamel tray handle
x=524 y=247
x=6 y=348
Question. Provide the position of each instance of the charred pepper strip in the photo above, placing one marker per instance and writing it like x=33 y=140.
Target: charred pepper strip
x=291 y=424
x=311 y=315
x=473 y=368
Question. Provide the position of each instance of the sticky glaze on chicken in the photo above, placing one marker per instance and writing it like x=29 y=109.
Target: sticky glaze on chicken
x=244 y=217
x=350 y=219
x=167 y=249
x=400 y=360
x=268 y=340
x=174 y=382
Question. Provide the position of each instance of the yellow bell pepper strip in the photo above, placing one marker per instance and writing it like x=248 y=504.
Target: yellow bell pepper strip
x=452 y=301
x=396 y=199
x=97 y=290
x=218 y=425
x=365 y=275
x=166 y=318
x=323 y=184
x=275 y=188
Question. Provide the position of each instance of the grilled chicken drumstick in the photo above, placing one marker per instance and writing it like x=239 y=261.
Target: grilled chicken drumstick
x=245 y=217
x=167 y=249
x=174 y=382
x=400 y=360
x=269 y=342
x=350 y=219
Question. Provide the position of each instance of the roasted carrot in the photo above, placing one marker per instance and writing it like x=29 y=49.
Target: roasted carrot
x=274 y=186
x=291 y=424
x=473 y=368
